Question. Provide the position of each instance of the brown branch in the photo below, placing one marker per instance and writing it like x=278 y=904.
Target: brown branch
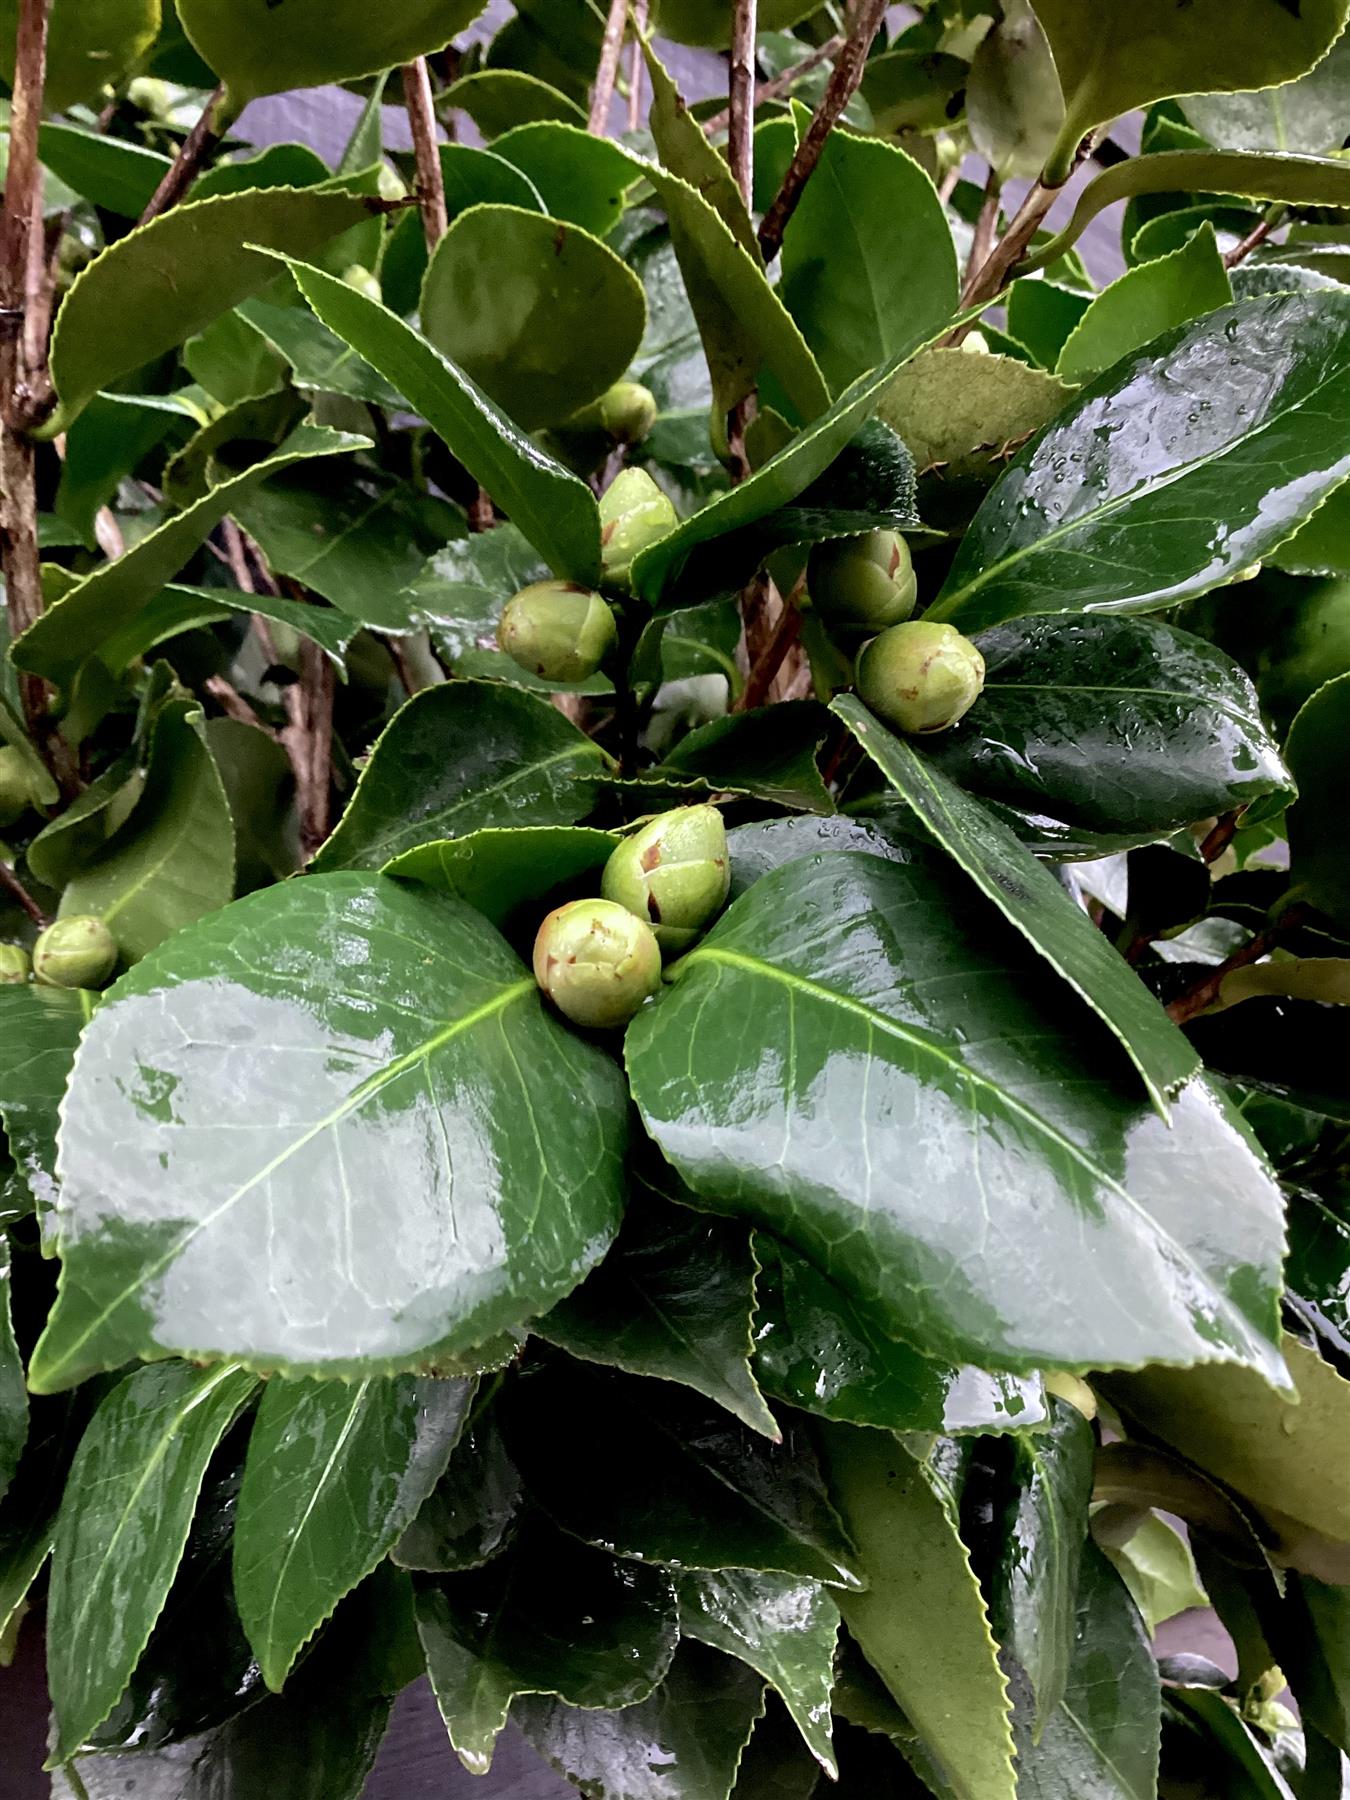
x=986 y=226
x=637 y=68
x=607 y=73
x=421 y=107
x=1205 y=992
x=761 y=613
x=1220 y=836
x=233 y=704
x=741 y=143
x=19 y=893
x=842 y=85
x=192 y=153
x=309 y=743
x=771 y=659
x=1255 y=237
x=403 y=667
x=780 y=84
x=988 y=279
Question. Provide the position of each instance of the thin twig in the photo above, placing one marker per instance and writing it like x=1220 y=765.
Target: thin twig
x=947 y=187
x=771 y=659
x=192 y=153
x=986 y=226
x=988 y=278
x=233 y=704
x=402 y=666
x=18 y=892
x=637 y=68
x=1256 y=236
x=607 y=73
x=482 y=514
x=1205 y=992
x=309 y=743
x=421 y=107
x=780 y=84
x=741 y=143
x=842 y=85
x=761 y=614
x=1220 y=836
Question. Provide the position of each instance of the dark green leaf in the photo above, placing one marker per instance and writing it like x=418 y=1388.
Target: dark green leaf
x=819 y=1351
x=13 y=1394
x=785 y=1628
x=259 y=785
x=922 y=1620
x=578 y=177
x=1322 y=546
x=318 y=357
x=497 y=100
x=961 y=416
x=113 y=174
x=456 y=759
x=857 y=1057
x=1229 y=1750
x=553 y=1617
x=776 y=1764
x=335 y=1472
x=1315 y=1655
x=1156 y=484
x=178 y=608
x=673 y=1299
x=122 y=1527
x=1042 y=316
x=39 y=1030
x=502 y=871
x=652 y=1471
x=1318 y=847
x=1111 y=725
x=555 y=509
x=1013 y=101
x=684 y=1743
x=769 y=754
x=28 y=1512
x=1308 y=114
x=474 y=1509
x=111 y=437
x=87 y=49
x=1034 y=1597
x=1030 y=898
x=198 y=1213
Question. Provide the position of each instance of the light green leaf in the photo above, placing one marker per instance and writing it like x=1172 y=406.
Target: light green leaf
x=1014 y=106
x=108 y=441
x=962 y=415
x=91 y=44
x=921 y=1620
x=197 y=1214
x=119 y=176
x=574 y=175
x=39 y=1030
x=497 y=100
x=1156 y=1565
x=857 y=1056
x=122 y=1527
x=1318 y=850
x=318 y=357
x=1308 y=114
x=1146 y=302
x=685 y=149
x=1030 y=898
x=110 y=599
x=335 y=1473
x=459 y=758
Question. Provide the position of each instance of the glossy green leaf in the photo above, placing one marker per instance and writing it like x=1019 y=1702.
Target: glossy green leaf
x=1315 y=1654
x=652 y=1471
x=828 y=1065
x=1103 y=1739
x=1322 y=546
x=685 y=1743
x=278 y=165
x=1146 y=302
x=503 y=871
x=783 y=1627
x=112 y=173
x=705 y=22
x=111 y=437
x=335 y=1472
x=1229 y=1749
x=554 y=1617
x=472 y=176
x=818 y=1351
x=556 y=40
x=1319 y=856
x=769 y=753
x=776 y=1765
x=1156 y=1565
x=28 y=1511
x=389 y=1016
x=156 y=287
x=256 y=49
x=123 y=1524
x=673 y=1299
x=318 y=358
x=171 y=861
x=579 y=178
x=1111 y=725
x=921 y=1620
x=685 y=149
x=91 y=44
x=575 y=317
x=1307 y=115
x=1121 y=54
x=1041 y=315
x=498 y=100
x=860 y=291
x=13 y=1394
x=473 y=1511
x=39 y=1030
x=355 y=538
x=1014 y=106
x=1033 y=902
x=1171 y=472
x=111 y=598
x=459 y=758
x=555 y=509
x=962 y=416
x=178 y=608
x=1034 y=1596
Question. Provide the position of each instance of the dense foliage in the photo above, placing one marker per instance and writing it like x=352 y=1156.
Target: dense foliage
x=763 y=1331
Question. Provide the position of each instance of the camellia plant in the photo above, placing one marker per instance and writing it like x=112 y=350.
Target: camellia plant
x=674 y=913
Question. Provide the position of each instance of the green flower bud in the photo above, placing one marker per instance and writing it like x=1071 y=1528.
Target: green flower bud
x=16 y=784
x=596 y=962
x=79 y=952
x=362 y=281
x=15 y=967
x=674 y=872
x=633 y=513
x=628 y=411
x=860 y=585
x=558 y=629
x=920 y=676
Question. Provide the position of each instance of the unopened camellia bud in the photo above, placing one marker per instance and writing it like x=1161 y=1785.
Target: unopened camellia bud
x=634 y=512
x=673 y=873
x=921 y=676
x=860 y=585
x=15 y=967
x=596 y=962
x=558 y=630
x=628 y=411
x=16 y=784
x=78 y=952
x=362 y=281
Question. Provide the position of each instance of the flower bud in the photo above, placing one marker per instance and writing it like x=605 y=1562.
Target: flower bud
x=16 y=784
x=674 y=873
x=628 y=411
x=15 y=967
x=78 y=952
x=596 y=962
x=558 y=630
x=362 y=281
x=633 y=513
x=860 y=585
x=920 y=676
